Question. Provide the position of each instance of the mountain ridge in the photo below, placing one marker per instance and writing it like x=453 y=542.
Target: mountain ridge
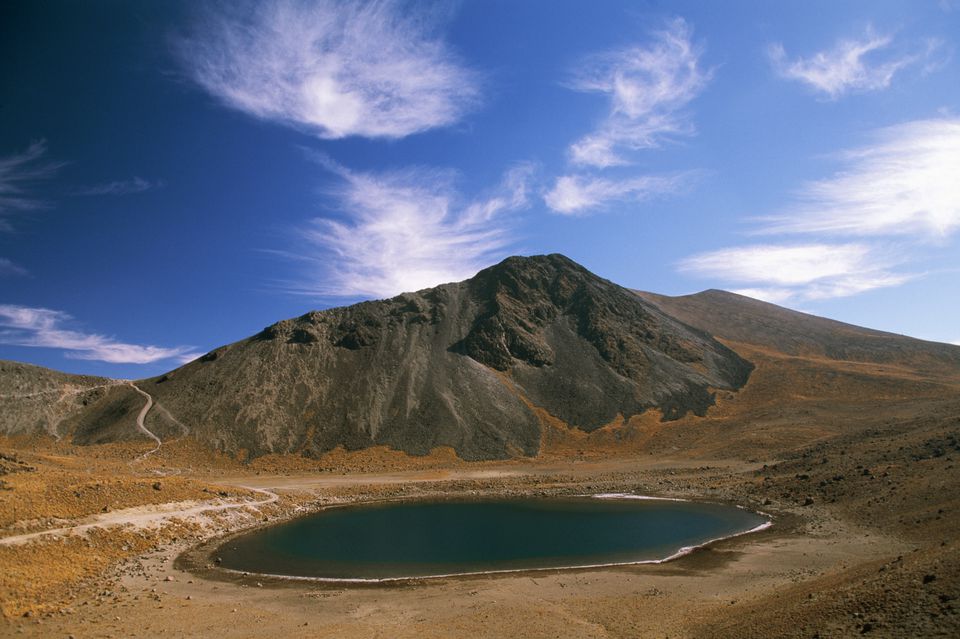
x=737 y=318
x=479 y=366
x=462 y=365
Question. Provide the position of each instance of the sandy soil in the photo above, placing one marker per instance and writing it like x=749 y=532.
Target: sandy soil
x=855 y=464
x=151 y=593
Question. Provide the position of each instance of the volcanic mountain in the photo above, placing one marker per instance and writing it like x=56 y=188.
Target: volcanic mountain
x=847 y=435
x=478 y=366
x=465 y=365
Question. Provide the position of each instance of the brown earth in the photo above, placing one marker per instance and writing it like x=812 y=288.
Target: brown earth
x=853 y=453
x=874 y=550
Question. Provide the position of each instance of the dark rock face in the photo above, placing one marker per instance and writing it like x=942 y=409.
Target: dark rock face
x=455 y=366
x=539 y=318
x=458 y=365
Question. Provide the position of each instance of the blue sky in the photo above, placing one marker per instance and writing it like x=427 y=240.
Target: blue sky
x=175 y=176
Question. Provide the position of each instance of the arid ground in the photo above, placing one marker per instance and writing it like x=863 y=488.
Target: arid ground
x=856 y=465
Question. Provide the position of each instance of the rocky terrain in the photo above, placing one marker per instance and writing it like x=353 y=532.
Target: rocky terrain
x=460 y=365
x=847 y=437
x=36 y=401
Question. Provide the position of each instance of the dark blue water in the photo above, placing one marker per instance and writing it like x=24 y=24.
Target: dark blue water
x=407 y=539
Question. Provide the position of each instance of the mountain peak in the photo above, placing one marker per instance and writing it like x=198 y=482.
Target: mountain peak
x=471 y=365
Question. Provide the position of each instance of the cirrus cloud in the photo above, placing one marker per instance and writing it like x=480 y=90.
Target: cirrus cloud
x=120 y=187
x=781 y=273
x=17 y=172
x=44 y=328
x=580 y=194
x=332 y=67
x=9 y=267
x=901 y=185
x=649 y=87
x=404 y=230
x=852 y=65
x=905 y=183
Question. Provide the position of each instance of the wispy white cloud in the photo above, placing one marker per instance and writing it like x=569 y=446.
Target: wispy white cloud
x=851 y=65
x=580 y=194
x=120 y=187
x=333 y=67
x=906 y=183
x=779 y=273
x=17 y=172
x=44 y=328
x=405 y=230
x=8 y=267
x=902 y=185
x=649 y=87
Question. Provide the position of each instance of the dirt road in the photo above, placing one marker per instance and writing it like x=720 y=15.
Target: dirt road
x=143 y=516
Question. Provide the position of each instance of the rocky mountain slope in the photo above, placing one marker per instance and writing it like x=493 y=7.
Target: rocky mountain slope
x=462 y=365
x=736 y=318
x=36 y=400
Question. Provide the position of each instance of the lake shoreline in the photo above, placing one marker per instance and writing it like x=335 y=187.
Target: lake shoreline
x=211 y=554
x=199 y=559
x=177 y=588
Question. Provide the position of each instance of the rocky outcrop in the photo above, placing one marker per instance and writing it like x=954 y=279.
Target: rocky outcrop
x=458 y=365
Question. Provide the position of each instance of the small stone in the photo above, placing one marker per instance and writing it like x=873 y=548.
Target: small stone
x=928 y=578
x=157 y=485
x=168 y=578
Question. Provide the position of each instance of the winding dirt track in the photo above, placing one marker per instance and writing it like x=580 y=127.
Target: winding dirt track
x=64 y=392
x=143 y=516
x=143 y=413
